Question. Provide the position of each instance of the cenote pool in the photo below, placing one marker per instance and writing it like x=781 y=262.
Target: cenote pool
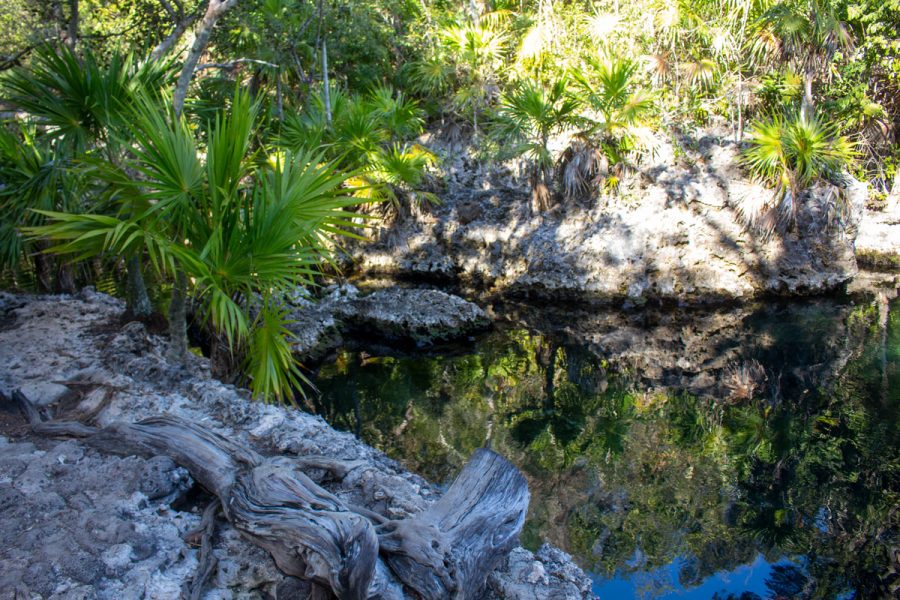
x=744 y=452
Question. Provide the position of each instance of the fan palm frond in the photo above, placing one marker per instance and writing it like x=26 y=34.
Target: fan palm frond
x=791 y=153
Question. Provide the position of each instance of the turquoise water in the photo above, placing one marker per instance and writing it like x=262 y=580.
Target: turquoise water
x=744 y=452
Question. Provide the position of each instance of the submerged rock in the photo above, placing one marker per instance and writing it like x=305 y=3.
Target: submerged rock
x=675 y=230
x=79 y=524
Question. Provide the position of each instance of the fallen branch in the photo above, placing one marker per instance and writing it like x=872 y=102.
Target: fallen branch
x=446 y=551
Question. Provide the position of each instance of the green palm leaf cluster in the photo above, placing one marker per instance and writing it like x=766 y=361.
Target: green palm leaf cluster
x=524 y=122
x=32 y=176
x=478 y=51
x=73 y=110
x=463 y=69
x=614 y=129
x=244 y=230
x=530 y=114
x=369 y=134
x=805 y=34
x=791 y=153
x=606 y=107
x=79 y=100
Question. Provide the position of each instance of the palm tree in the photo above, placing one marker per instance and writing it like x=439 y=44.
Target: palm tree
x=78 y=111
x=614 y=127
x=371 y=135
x=805 y=34
x=243 y=231
x=525 y=120
x=477 y=51
x=34 y=177
x=791 y=154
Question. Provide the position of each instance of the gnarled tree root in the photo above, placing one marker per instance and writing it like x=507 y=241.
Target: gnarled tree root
x=446 y=551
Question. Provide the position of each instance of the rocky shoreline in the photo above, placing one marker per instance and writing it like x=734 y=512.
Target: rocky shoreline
x=675 y=231
x=80 y=524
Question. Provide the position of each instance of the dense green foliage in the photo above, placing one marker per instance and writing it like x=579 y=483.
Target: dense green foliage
x=581 y=91
x=705 y=59
x=242 y=229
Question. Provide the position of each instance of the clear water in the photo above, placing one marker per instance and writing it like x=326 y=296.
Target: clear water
x=745 y=453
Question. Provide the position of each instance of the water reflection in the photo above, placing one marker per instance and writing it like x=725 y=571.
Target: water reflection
x=669 y=452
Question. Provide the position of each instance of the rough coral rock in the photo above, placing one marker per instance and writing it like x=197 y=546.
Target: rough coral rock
x=79 y=524
x=421 y=315
x=675 y=230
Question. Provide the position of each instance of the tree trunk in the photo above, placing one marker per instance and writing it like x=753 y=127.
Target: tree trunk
x=325 y=81
x=164 y=46
x=65 y=277
x=224 y=359
x=214 y=11
x=178 y=318
x=807 y=105
x=446 y=551
x=72 y=27
x=279 y=97
x=137 y=301
x=43 y=268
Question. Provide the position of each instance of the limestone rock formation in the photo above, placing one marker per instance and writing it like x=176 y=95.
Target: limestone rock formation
x=675 y=230
x=80 y=524
x=393 y=314
x=878 y=242
x=420 y=315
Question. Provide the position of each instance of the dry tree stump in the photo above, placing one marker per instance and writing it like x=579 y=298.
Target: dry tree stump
x=446 y=551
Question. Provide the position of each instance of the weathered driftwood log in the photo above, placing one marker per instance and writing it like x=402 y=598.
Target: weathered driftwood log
x=446 y=551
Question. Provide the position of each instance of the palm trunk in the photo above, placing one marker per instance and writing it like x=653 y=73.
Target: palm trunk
x=43 y=274
x=137 y=300
x=224 y=360
x=540 y=191
x=178 y=318
x=65 y=278
x=325 y=81
x=806 y=106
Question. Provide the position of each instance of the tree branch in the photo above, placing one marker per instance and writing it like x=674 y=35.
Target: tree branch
x=232 y=64
x=181 y=25
x=214 y=11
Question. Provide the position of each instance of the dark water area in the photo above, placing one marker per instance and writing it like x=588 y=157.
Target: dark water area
x=746 y=452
